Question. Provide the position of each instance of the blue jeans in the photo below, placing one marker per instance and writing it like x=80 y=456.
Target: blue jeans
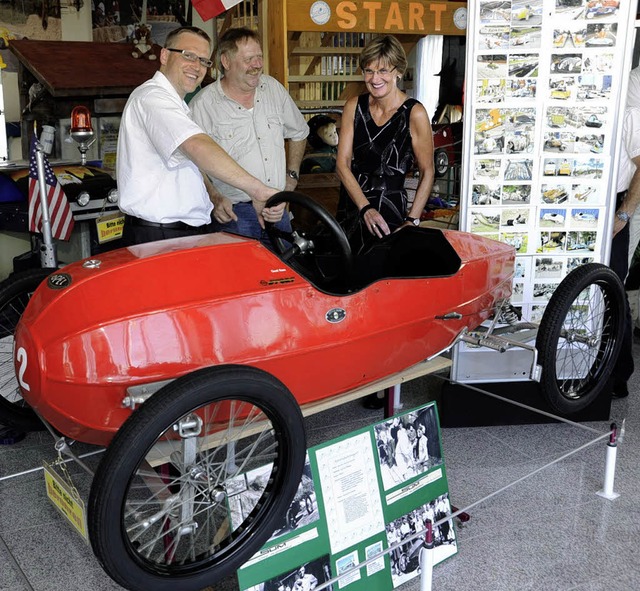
x=248 y=225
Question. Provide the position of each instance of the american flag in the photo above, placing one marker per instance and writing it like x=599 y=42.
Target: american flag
x=59 y=209
x=209 y=8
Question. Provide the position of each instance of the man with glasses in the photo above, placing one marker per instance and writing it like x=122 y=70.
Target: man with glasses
x=161 y=150
x=250 y=115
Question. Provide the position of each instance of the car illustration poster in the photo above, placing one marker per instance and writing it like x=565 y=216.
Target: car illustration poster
x=547 y=78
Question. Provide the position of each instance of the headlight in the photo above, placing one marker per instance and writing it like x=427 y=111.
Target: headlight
x=112 y=196
x=83 y=198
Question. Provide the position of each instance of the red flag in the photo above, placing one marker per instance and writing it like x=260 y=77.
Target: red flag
x=59 y=209
x=209 y=8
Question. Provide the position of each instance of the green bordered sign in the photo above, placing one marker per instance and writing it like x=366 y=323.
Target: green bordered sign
x=359 y=495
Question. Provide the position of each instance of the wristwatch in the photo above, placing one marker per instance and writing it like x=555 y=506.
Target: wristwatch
x=293 y=174
x=623 y=216
x=414 y=221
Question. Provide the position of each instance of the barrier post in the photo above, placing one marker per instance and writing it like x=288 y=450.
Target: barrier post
x=610 y=466
x=426 y=559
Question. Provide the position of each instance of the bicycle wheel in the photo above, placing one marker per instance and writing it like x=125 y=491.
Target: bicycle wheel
x=580 y=336
x=196 y=480
x=15 y=293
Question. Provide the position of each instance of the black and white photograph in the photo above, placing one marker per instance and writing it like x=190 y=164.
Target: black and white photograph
x=408 y=445
x=303 y=510
x=543 y=291
x=405 y=559
x=305 y=577
x=548 y=268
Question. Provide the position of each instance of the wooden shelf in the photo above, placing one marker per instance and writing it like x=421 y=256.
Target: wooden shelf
x=325 y=78
x=326 y=51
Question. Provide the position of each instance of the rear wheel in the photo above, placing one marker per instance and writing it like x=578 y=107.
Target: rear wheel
x=197 y=480
x=15 y=293
x=580 y=337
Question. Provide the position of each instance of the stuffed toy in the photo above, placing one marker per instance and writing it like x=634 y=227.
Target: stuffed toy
x=142 y=45
x=323 y=139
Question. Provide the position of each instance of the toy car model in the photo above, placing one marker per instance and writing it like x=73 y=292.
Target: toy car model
x=190 y=359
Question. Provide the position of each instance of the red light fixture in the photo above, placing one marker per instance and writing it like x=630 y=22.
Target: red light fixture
x=81 y=130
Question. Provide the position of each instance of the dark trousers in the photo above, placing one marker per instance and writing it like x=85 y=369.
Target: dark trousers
x=139 y=234
x=619 y=263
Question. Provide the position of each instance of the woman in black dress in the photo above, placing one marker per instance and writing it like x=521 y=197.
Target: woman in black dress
x=383 y=134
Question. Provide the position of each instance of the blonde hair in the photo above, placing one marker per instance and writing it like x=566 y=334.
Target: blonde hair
x=384 y=49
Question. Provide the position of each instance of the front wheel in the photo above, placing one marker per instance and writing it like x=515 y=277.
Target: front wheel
x=15 y=293
x=197 y=480
x=580 y=336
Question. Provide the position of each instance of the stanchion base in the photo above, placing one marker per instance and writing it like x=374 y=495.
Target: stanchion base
x=610 y=496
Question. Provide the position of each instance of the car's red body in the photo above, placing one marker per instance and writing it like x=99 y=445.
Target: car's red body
x=161 y=310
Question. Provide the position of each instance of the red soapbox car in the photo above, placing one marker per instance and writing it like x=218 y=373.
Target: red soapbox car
x=190 y=359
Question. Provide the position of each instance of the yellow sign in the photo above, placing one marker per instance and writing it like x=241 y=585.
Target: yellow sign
x=66 y=501
x=110 y=227
x=395 y=17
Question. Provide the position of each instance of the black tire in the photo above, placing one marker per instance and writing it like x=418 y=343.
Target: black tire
x=441 y=163
x=309 y=504
x=580 y=336
x=403 y=562
x=15 y=293
x=134 y=511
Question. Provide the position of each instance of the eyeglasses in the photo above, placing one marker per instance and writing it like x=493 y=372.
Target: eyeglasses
x=192 y=57
x=383 y=72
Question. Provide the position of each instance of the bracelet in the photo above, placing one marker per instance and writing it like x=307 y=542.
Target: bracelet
x=365 y=209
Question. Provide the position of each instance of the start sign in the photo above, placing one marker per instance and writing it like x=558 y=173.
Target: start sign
x=375 y=16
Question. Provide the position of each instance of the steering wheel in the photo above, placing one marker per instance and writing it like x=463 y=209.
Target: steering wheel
x=312 y=248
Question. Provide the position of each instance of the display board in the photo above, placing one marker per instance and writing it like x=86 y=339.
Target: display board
x=359 y=495
x=546 y=81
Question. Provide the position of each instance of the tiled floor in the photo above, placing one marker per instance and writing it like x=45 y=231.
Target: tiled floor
x=548 y=532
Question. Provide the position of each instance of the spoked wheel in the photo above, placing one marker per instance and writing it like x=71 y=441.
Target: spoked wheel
x=320 y=250
x=15 y=293
x=580 y=337
x=197 y=480
x=441 y=162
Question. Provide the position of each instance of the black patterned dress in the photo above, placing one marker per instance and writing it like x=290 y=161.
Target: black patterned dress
x=382 y=156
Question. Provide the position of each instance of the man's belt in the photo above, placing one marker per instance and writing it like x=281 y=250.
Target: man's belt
x=168 y=226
